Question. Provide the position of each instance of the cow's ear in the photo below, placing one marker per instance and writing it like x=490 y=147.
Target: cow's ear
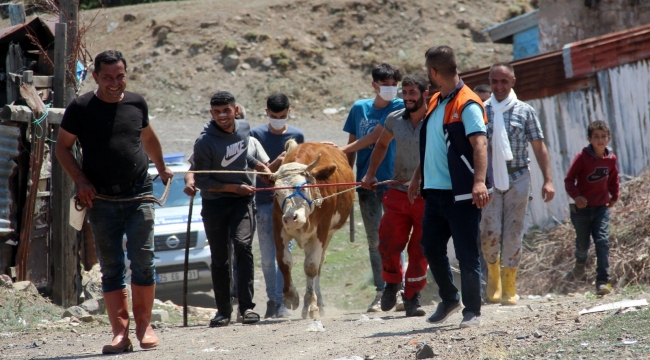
x=323 y=172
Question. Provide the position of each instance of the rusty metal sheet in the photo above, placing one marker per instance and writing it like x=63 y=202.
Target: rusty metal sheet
x=10 y=143
x=604 y=52
x=17 y=32
x=537 y=76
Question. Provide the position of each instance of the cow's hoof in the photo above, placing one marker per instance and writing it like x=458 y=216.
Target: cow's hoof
x=305 y=311
x=321 y=310
x=291 y=299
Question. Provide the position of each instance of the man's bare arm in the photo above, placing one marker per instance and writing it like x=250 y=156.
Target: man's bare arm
x=414 y=184
x=377 y=156
x=544 y=161
x=352 y=156
x=153 y=148
x=85 y=190
x=364 y=142
x=480 y=195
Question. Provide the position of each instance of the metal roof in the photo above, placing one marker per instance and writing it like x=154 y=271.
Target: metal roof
x=544 y=75
x=504 y=31
x=17 y=32
x=607 y=51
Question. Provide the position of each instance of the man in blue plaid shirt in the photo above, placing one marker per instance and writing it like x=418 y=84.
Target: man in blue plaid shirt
x=512 y=124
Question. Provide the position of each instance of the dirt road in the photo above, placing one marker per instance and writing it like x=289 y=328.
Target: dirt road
x=505 y=331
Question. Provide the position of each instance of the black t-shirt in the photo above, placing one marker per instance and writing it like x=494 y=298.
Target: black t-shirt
x=109 y=134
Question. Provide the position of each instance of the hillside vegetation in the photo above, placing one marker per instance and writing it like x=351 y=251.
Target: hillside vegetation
x=319 y=53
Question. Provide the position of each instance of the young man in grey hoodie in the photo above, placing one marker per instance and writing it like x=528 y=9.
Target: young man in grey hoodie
x=227 y=205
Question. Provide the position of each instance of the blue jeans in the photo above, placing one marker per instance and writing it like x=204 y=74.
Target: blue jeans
x=444 y=218
x=594 y=221
x=372 y=209
x=109 y=221
x=272 y=275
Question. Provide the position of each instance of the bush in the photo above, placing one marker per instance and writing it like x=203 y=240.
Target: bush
x=254 y=36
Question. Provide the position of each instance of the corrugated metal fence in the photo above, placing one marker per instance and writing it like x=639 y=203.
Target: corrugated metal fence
x=622 y=99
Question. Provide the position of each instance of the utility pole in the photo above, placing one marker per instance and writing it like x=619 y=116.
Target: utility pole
x=65 y=239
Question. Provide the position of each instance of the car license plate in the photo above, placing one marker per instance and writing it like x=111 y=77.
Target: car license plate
x=177 y=276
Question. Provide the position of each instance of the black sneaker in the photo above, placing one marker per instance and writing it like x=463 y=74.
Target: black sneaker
x=470 y=320
x=443 y=311
x=271 y=310
x=389 y=297
x=412 y=306
x=220 y=320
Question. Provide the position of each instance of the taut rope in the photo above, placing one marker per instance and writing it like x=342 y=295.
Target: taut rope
x=163 y=199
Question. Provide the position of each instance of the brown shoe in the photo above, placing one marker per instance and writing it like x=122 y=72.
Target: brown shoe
x=142 y=305
x=577 y=273
x=117 y=308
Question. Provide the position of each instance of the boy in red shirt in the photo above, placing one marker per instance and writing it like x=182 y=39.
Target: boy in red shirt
x=592 y=182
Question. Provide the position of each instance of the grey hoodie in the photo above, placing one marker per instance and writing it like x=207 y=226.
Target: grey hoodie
x=217 y=150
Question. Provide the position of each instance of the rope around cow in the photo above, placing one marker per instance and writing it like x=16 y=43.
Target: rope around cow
x=163 y=199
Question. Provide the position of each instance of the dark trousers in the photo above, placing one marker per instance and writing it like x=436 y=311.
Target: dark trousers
x=230 y=219
x=594 y=221
x=109 y=222
x=444 y=218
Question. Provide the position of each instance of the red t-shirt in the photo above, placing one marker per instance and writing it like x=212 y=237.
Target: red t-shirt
x=593 y=178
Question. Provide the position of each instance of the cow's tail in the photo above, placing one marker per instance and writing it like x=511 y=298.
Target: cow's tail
x=290 y=145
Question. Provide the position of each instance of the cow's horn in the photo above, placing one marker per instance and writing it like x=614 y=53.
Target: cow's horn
x=312 y=165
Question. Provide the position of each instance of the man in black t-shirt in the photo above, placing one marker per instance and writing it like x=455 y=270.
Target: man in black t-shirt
x=112 y=126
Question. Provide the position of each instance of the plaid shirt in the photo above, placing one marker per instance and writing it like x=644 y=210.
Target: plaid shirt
x=523 y=126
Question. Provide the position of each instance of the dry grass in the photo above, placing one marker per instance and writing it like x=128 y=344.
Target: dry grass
x=550 y=254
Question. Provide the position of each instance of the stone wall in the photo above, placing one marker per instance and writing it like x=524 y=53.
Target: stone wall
x=565 y=21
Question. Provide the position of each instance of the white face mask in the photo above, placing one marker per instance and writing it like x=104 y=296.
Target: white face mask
x=388 y=93
x=277 y=124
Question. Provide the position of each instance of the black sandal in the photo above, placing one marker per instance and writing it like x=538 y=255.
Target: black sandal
x=219 y=321
x=250 y=317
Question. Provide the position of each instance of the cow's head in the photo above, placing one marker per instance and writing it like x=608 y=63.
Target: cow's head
x=298 y=203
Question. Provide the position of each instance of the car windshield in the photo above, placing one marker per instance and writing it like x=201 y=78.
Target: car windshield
x=176 y=196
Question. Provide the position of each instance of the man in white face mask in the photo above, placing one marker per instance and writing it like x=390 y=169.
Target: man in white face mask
x=364 y=125
x=272 y=136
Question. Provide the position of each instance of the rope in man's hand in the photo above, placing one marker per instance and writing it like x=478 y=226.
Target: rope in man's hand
x=163 y=199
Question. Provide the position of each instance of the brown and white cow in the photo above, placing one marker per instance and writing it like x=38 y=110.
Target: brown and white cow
x=296 y=216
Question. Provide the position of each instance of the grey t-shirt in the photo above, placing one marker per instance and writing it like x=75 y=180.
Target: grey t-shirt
x=407 y=142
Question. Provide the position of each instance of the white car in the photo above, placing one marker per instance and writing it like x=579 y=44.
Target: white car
x=170 y=229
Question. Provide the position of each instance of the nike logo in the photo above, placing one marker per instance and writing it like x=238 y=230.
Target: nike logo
x=598 y=174
x=233 y=152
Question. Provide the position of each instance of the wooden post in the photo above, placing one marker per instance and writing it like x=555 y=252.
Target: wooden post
x=187 y=259
x=69 y=14
x=39 y=134
x=60 y=45
x=352 y=224
x=15 y=62
x=23 y=114
x=16 y=13
x=65 y=248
